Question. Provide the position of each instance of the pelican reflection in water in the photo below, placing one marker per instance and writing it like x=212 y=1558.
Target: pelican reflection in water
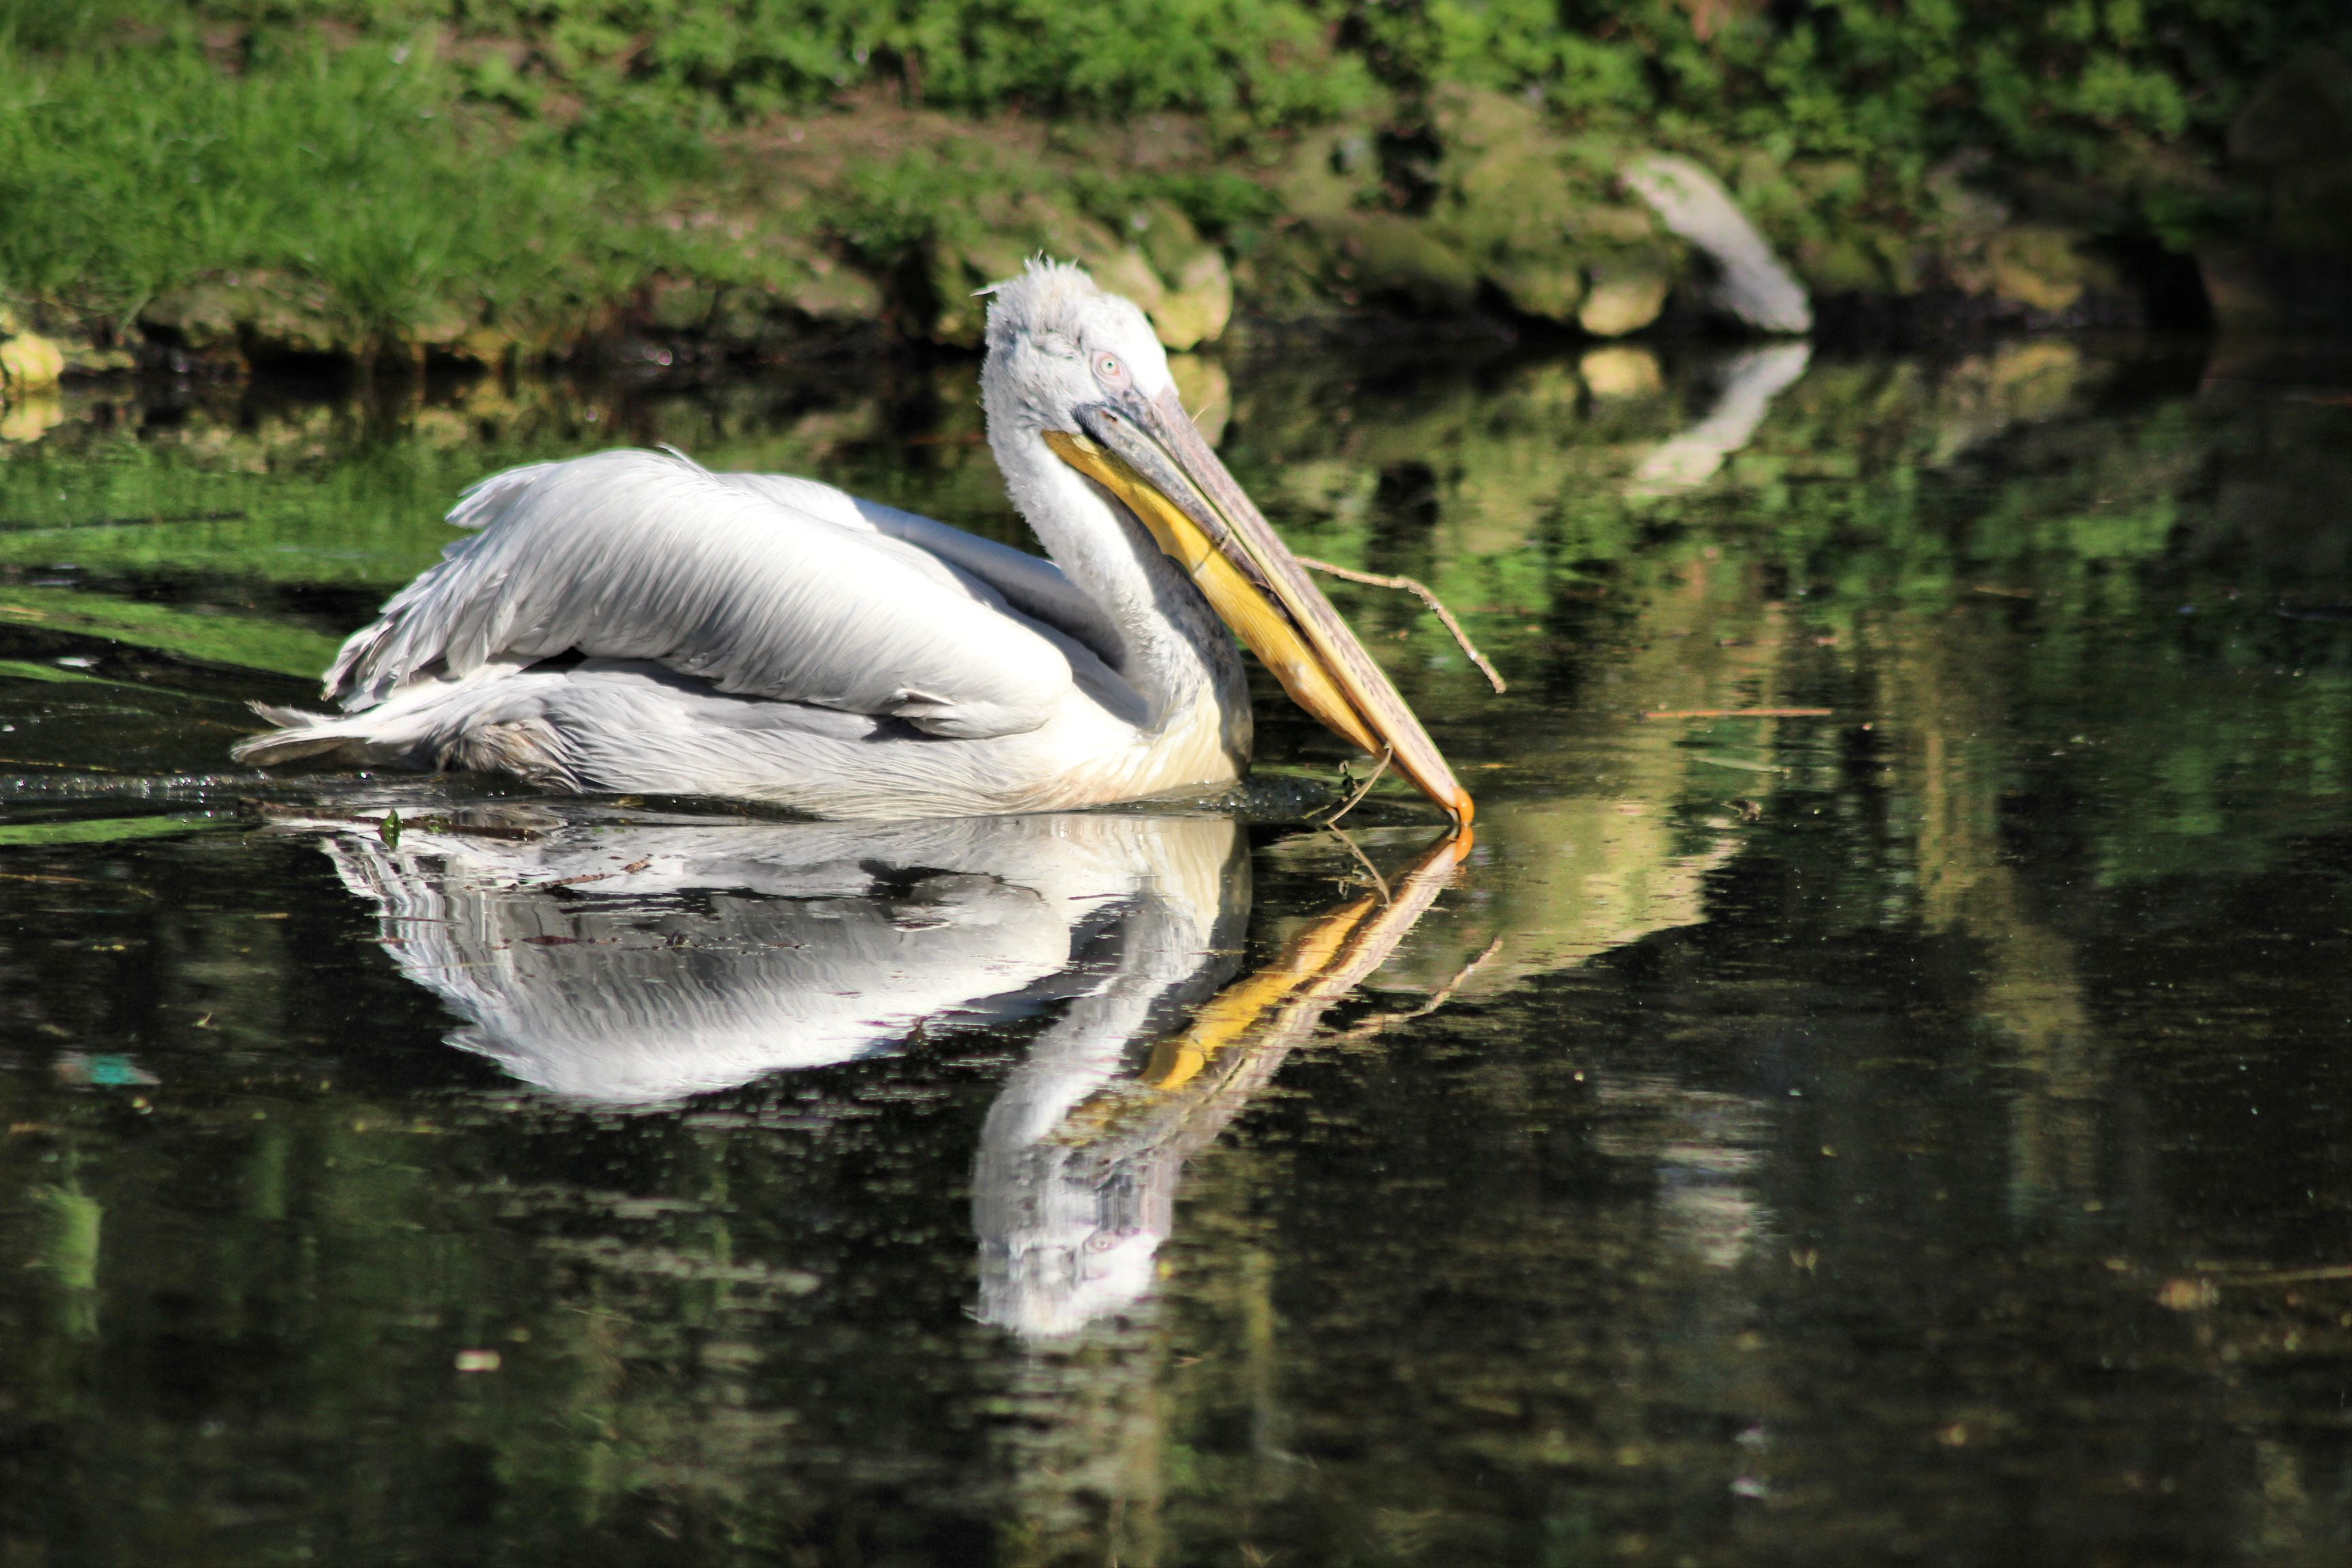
x=632 y=966
x=634 y=623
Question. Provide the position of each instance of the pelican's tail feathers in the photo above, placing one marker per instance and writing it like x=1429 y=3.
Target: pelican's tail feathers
x=438 y=724
x=298 y=735
x=356 y=739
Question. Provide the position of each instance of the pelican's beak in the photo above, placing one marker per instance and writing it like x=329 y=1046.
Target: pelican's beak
x=1147 y=454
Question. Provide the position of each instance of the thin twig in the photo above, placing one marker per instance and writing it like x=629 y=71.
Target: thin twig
x=1361 y=790
x=1444 y=992
x=1364 y=860
x=1367 y=1027
x=1414 y=586
x=1738 y=713
x=2281 y=1276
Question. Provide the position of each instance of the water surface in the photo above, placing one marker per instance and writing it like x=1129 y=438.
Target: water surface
x=1903 y=1129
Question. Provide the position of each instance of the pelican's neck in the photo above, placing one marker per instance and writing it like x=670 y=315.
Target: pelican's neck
x=1173 y=649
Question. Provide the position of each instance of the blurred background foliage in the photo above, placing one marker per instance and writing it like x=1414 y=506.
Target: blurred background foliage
x=409 y=154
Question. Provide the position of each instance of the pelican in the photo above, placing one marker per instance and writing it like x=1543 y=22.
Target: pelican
x=634 y=623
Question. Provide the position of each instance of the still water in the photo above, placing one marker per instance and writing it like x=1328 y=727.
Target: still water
x=1903 y=1129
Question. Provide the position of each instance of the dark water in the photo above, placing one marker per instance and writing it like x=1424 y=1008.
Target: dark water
x=1910 y=1133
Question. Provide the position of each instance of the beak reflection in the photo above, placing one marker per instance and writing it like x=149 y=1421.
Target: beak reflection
x=1147 y=454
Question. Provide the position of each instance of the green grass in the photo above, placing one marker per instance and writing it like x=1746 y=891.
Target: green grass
x=419 y=162
x=363 y=170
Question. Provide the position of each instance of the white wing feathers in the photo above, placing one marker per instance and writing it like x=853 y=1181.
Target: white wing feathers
x=773 y=587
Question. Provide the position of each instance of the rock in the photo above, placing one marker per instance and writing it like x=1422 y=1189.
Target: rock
x=263 y=315
x=485 y=344
x=200 y=316
x=1196 y=300
x=1390 y=255
x=958 y=271
x=1619 y=373
x=750 y=317
x=1840 y=264
x=2038 y=267
x=1507 y=187
x=1329 y=175
x=1549 y=287
x=31 y=416
x=1125 y=272
x=1626 y=293
x=1198 y=306
x=1002 y=234
x=1751 y=284
x=1195 y=308
x=94 y=361
x=440 y=328
x=740 y=316
x=1509 y=200
x=29 y=363
x=1206 y=391
x=834 y=293
x=286 y=316
x=1167 y=238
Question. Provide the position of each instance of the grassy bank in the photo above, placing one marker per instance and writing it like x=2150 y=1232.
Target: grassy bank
x=481 y=175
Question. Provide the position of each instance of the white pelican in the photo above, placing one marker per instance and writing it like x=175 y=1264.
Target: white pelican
x=634 y=623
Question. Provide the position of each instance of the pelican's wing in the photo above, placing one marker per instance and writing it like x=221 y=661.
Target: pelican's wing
x=778 y=589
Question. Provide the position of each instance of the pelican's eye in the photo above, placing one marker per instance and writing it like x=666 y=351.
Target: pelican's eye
x=1111 y=372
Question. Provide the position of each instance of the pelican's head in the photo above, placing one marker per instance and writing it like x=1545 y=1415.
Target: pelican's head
x=1081 y=370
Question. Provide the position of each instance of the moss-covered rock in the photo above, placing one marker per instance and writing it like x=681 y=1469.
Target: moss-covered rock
x=1391 y=259
x=2044 y=268
x=1532 y=210
x=1327 y=174
x=1196 y=302
x=1551 y=286
x=29 y=363
x=834 y=294
x=1199 y=303
x=993 y=243
x=1505 y=187
x=258 y=316
x=1188 y=294
x=201 y=317
x=1624 y=293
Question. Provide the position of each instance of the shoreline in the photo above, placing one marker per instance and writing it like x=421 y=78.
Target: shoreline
x=363 y=196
